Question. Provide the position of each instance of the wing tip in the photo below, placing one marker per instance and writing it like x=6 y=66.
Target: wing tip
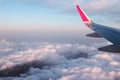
x=84 y=17
x=77 y=5
x=82 y=13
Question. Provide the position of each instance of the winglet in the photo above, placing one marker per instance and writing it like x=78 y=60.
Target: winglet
x=84 y=17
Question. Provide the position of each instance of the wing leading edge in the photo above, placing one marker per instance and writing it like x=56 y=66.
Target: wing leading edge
x=111 y=34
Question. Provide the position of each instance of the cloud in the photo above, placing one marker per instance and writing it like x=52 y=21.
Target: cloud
x=101 y=4
x=18 y=55
x=68 y=6
x=69 y=61
x=92 y=6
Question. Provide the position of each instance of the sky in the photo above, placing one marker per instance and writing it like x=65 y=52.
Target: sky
x=42 y=32
x=52 y=19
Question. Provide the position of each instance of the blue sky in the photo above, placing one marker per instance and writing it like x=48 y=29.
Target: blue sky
x=30 y=15
x=54 y=17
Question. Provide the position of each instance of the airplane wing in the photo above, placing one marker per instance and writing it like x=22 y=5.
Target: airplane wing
x=111 y=34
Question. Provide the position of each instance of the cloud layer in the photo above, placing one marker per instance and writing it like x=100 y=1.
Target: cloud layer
x=69 y=61
x=69 y=5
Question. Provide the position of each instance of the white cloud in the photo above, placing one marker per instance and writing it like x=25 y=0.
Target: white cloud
x=101 y=4
x=70 y=61
x=93 y=6
x=68 y=6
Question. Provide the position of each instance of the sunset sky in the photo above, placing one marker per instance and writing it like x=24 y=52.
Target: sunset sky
x=54 y=17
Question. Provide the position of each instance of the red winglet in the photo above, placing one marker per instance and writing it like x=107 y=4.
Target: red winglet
x=82 y=14
x=84 y=17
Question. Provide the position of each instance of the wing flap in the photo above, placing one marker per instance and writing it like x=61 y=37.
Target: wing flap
x=94 y=35
x=110 y=48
